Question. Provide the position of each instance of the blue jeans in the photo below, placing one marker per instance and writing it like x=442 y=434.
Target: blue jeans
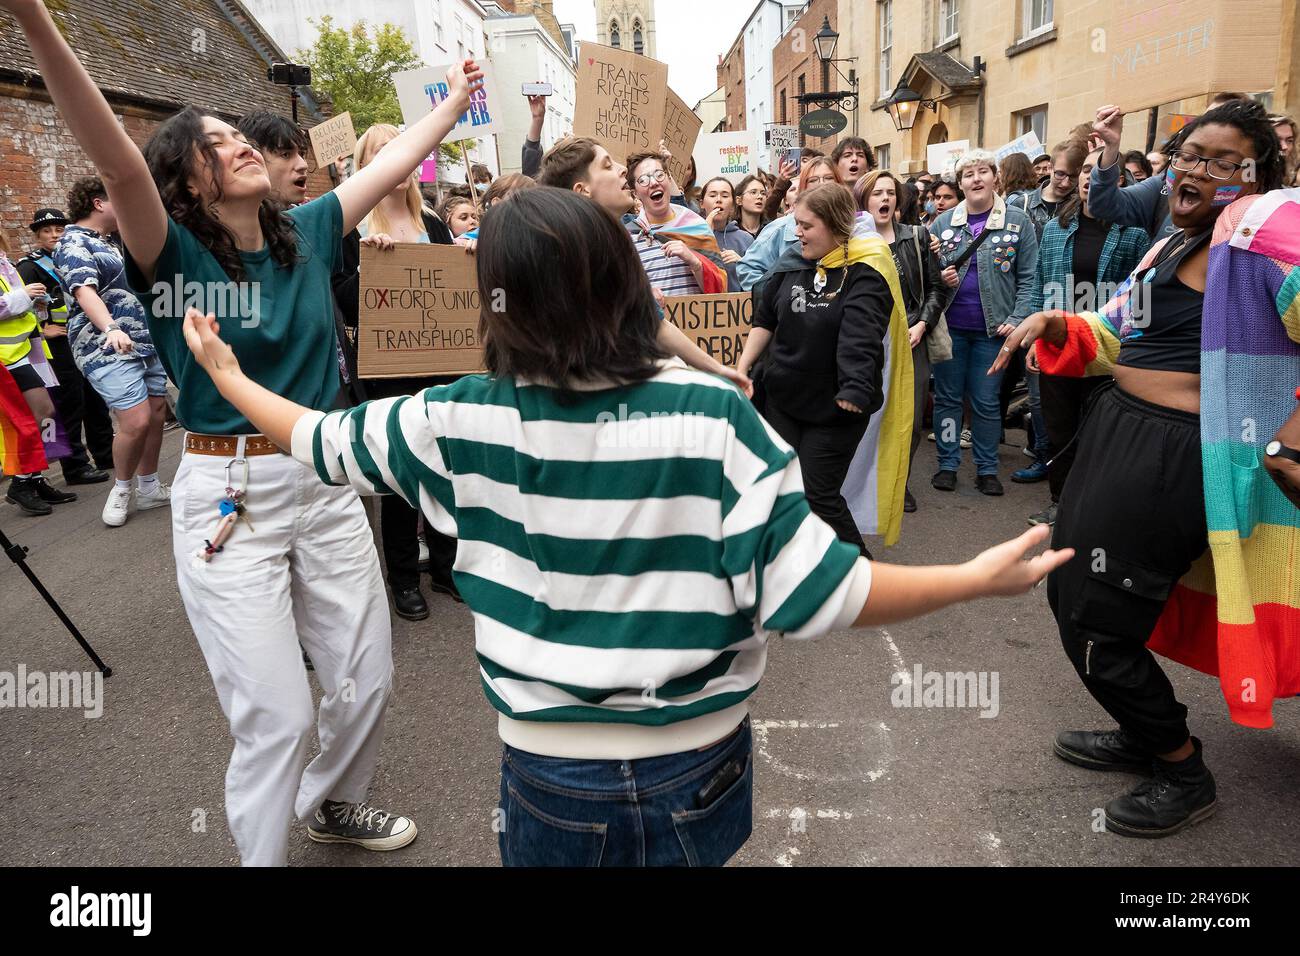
x=1042 y=447
x=683 y=809
x=965 y=376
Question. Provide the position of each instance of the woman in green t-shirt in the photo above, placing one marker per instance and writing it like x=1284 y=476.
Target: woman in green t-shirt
x=266 y=555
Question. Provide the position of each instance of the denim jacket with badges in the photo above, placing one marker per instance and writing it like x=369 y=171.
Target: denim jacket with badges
x=1008 y=294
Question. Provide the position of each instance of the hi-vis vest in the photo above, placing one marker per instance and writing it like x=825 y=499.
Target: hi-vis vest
x=17 y=332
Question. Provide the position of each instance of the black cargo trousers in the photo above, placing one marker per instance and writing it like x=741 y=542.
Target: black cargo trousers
x=1133 y=510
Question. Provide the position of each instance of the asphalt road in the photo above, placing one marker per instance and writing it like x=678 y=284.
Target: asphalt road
x=843 y=776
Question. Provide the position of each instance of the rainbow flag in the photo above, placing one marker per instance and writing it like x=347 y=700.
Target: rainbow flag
x=694 y=233
x=21 y=449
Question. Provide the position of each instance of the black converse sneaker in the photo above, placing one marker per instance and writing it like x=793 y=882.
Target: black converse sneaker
x=361 y=824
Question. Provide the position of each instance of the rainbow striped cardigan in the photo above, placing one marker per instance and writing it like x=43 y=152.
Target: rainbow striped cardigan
x=1236 y=613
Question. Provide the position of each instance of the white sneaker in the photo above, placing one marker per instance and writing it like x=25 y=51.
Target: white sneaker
x=117 y=507
x=160 y=497
x=422 y=563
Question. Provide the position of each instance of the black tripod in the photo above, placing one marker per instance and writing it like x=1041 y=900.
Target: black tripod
x=18 y=555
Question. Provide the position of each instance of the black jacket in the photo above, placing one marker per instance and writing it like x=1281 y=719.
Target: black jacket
x=924 y=294
x=346 y=283
x=825 y=346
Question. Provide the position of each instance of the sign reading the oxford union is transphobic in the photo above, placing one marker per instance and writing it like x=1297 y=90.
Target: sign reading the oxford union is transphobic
x=419 y=312
x=419 y=91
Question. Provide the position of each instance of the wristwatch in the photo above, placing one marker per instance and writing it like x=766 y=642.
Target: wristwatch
x=1275 y=449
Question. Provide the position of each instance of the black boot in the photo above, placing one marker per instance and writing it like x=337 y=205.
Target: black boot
x=909 y=503
x=410 y=604
x=1181 y=793
x=22 y=492
x=51 y=495
x=1102 y=750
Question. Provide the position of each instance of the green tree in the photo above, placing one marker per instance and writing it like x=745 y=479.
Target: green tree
x=355 y=67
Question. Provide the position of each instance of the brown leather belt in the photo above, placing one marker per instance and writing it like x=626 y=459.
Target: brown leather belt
x=225 y=446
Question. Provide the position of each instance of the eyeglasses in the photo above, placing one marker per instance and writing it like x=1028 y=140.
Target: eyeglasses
x=1186 y=162
x=755 y=192
x=1063 y=174
x=645 y=179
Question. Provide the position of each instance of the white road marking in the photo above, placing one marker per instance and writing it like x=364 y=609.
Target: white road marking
x=787 y=858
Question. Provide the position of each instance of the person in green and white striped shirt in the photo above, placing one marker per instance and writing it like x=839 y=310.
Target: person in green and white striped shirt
x=631 y=532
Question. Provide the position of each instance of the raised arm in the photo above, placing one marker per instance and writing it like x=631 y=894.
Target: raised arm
x=396 y=161
x=141 y=217
x=1134 y=205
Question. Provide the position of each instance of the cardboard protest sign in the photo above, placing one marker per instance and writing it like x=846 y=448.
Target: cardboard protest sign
x=1159 y=51
x=419 y=312
x=681 y=129
x=942 y=157
x=332 y=138
x=621 y=99
x=1028 y=144
x=419 y=91
x=719 y=324
x=733 y=155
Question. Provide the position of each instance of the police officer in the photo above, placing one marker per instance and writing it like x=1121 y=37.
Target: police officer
x=76 y=401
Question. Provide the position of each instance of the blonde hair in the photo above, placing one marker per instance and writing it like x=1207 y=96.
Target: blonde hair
x=368 y=145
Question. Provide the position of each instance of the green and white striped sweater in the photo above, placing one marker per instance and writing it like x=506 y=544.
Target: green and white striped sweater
x=625 y=550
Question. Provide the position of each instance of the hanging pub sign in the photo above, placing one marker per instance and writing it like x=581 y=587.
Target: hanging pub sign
x=823 y=123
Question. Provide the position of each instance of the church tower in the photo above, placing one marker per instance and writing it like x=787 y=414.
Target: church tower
x=627 y=24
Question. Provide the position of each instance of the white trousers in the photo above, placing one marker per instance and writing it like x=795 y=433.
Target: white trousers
x=306 y=571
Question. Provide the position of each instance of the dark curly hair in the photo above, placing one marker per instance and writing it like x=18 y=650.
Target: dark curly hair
x=82 y=196
x=1250 y=119
x=176 y=152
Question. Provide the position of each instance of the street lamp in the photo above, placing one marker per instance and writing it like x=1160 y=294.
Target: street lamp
x=904 y=104
x=825 y=40
x=824 y=43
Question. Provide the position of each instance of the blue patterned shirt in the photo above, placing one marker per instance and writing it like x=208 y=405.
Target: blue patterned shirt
x=86 y=258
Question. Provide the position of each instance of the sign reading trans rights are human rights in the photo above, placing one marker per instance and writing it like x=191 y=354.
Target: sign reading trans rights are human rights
x=419 y=312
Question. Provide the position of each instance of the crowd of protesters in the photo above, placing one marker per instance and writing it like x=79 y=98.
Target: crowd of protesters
x=1064 y=294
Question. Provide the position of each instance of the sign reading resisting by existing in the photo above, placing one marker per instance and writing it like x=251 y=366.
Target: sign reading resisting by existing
x=419 y=312
x=719 y=324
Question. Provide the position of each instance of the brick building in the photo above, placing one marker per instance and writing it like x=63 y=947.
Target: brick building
x=796 y=69
x=1046 y=68
x=150 y=62
x=731 y=79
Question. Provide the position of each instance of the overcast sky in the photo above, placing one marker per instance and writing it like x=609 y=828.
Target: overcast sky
x=690 y=35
